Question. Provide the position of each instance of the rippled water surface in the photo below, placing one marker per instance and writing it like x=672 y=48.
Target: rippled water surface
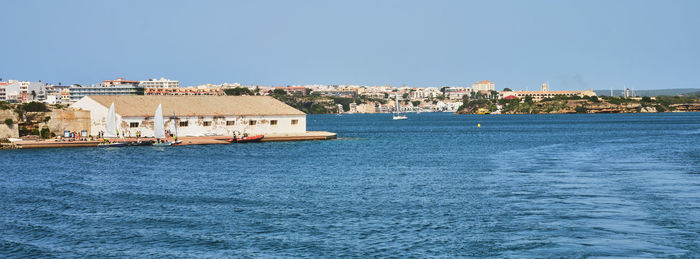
x=434 y=185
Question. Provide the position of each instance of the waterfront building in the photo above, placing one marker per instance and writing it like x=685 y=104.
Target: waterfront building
x=196 y=115
x=159 y=83
x=485 y=85
x=448 y=106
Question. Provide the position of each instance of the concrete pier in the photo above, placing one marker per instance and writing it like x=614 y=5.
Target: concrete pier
x=204 y=140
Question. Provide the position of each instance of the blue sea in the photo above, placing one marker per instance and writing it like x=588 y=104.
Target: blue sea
x=435 y=185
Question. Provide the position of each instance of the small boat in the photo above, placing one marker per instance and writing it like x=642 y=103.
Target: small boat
x=140 y=143
x=162 y=144
x=246 y=139
x=115 y=144
x=397 y=114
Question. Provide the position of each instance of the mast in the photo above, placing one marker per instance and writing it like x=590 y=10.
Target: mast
x=175 y=119
x=397 y=103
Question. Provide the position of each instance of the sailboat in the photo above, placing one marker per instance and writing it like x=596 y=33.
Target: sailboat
x=175 y=122
x=159 y=128
x=111 y=129
x=397 y=114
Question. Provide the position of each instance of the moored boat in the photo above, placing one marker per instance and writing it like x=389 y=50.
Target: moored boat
x=246 y=139
x=115 y=144
x=161 y=144
x=140 y=143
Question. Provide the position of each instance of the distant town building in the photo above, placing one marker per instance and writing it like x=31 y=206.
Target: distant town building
x=77 y=92
x=199 y=90
x=196 y=115
x=296 y=90
x=456 y=93
x=120 y=81
x=159 y=83
x=485 y=85
x=545 y=93
x=22 y=91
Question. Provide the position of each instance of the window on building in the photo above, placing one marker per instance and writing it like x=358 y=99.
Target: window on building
x=295 y=122
x=183 y=124
x=230 y=123
x=207 y=123
x=133 y=124
x=273 y=122
x=252 y=122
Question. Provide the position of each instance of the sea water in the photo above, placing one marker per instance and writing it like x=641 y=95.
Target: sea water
x=432 y=185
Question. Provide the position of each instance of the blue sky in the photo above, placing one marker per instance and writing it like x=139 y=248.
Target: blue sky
x=517 y=44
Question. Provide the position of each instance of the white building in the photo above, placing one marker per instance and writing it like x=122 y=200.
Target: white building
x=485 y=85
x=448 y=106
x=196 y=115
x=77 y=92
x=24 y=91
x=159 y=83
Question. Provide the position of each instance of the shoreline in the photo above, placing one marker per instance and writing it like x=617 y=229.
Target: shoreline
x=186 y=141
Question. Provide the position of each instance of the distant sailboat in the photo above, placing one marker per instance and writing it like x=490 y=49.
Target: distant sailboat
x=397 y=114
x=159 y=128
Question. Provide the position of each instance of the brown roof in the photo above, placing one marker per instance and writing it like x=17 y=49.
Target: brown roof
x=146 y=105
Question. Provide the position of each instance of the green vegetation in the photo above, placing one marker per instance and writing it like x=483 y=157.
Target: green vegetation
x=238 y=91
x=9 y=122
x=279 y=91
x=34 y=107
x=5 y=105
x=45 y=133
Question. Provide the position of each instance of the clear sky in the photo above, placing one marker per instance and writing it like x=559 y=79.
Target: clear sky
x=517 y=44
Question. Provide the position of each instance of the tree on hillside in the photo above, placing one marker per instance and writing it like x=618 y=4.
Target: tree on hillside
x=238 y=91
x=279 y=91
x=507 y=89
x=34 y=107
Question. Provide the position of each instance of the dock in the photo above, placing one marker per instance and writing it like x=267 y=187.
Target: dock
x=203 y=140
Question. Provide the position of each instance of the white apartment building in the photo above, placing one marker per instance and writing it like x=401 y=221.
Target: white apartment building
x=24 y=91
x=159 y=83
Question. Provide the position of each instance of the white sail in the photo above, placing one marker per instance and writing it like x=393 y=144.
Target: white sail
x=397 y=114
x=158 y=128
x=111 y=128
